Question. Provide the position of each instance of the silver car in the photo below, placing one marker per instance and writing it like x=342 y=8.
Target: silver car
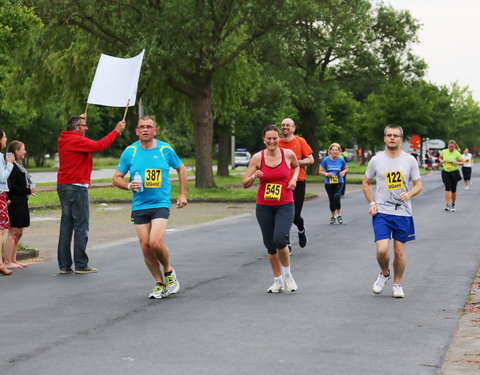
x=242 y=158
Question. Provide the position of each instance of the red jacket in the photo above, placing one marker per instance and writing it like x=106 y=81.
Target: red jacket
x=75 y=156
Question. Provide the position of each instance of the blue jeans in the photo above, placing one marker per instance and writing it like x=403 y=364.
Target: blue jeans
x=75 y=217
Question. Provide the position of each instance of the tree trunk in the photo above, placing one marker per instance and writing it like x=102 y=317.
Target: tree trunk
x=223 y=155
x=202 y=113
x=309 y=122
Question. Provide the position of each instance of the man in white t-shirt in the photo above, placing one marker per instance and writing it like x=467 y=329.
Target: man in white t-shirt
x=391 y=208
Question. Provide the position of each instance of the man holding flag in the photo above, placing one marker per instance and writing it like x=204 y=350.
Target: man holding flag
x=76 y=163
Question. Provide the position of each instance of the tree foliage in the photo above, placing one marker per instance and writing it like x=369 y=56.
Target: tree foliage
x=342 y=69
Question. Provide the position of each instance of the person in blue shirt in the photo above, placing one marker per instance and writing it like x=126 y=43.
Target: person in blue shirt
x=152 y=159
x=334 y=169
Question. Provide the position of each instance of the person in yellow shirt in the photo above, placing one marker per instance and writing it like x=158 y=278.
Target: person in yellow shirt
x=451 y=159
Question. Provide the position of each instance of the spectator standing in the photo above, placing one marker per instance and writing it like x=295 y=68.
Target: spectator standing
x=19 y=185
x=73 y=178
x=6 y=166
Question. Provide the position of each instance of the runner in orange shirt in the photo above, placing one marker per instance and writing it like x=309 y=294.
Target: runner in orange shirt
x=303 y=152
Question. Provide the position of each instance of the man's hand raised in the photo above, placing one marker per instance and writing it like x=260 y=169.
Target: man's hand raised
x=120 y=127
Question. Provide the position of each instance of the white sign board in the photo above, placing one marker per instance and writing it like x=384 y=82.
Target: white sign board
x=116 y=81
x=435 y=143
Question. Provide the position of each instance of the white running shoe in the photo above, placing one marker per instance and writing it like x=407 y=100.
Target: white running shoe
x=171 y=283
x=290 y=284
x=398 y=291
x=276 y=287
x=380 y=283
x=158 y=292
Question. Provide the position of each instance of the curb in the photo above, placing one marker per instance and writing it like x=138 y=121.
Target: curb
x=28 y=254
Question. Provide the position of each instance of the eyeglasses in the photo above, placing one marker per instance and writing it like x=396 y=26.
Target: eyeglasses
x=146 y=127
x=393 y=135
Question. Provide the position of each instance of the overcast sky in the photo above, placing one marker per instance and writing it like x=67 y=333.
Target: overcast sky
x=449 y=40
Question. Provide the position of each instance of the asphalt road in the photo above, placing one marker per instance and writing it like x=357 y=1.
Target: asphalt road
x=224 y=322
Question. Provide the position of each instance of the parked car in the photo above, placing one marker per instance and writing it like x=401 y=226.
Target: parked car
x=242 y=158
x=350 y=153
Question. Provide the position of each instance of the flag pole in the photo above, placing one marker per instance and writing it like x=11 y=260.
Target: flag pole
x=126 y=109
x=86 y=109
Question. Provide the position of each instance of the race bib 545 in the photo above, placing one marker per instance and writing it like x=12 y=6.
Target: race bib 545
x=272 y=192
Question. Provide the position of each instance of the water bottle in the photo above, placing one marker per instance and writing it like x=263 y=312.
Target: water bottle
x=138 y=178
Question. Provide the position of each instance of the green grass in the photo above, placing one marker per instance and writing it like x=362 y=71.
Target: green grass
x=228 y=189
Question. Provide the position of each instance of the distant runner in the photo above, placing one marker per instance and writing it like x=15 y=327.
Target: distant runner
x=334 y=169
x=451 y=159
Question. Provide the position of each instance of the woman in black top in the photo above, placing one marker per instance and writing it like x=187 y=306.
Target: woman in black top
x=19 y=184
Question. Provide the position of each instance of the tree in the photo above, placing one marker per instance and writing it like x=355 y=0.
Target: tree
x=340 y=41
x=421 y=108
x=189 y=43
x=16 y=21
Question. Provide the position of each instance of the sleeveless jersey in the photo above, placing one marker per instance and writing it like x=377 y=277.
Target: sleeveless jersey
x=273 y=185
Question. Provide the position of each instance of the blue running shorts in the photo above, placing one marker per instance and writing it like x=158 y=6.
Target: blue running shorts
x=400 y=228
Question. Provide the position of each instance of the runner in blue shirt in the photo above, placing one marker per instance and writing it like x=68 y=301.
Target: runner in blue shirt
x=152 y=159
x=334 y=169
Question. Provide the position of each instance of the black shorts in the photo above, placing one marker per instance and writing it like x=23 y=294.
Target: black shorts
x=147 y=215
x=450 y=180
x=467 y=173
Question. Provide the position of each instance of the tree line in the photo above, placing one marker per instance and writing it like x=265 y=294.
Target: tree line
x=342 y=69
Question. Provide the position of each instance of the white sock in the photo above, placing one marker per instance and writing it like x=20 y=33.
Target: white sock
x=277 y=279
x=285 y=270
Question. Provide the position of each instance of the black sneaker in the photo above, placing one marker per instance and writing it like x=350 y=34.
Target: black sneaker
x=65 y=271
x=302 y=238
x=332 y=220
x=339 y=219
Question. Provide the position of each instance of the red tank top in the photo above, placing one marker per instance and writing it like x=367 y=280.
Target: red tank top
x=273 y=185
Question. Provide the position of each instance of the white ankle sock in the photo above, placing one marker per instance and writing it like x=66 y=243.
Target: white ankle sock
x=285 y=270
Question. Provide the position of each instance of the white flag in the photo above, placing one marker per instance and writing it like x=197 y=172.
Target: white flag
x=116 y=81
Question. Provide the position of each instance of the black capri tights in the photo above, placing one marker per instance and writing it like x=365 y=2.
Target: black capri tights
x=450 y=180
x=334 y=195
x=275 y=223
x=298 y=198
x=467 y=173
